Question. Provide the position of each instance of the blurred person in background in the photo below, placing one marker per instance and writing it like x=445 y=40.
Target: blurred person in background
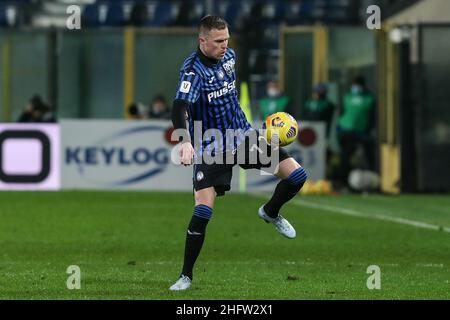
x=251 y=42
x=37 y=110
x=319 y=108
x=274 y=100
x=138 y=111
x=159 y=109
x=355 y=127
x=184 y=14
x=139 y=15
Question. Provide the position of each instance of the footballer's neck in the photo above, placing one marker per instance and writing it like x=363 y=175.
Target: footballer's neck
x=205 y=59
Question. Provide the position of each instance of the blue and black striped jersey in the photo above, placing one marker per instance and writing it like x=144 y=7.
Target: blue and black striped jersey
x=209 y=86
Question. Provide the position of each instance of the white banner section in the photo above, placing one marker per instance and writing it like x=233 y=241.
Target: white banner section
x=117 y=154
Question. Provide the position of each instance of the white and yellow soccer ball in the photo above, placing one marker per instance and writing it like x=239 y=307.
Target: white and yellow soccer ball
x=283 y=125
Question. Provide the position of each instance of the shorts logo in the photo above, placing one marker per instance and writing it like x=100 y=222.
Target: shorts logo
x=199 y=176
x=185 y=86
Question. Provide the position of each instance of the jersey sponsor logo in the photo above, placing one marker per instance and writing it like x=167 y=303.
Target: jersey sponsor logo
x=229 y=66
x=227 y=88
x=185 y=86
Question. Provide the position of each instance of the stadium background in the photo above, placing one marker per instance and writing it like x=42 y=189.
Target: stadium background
x=120 y=56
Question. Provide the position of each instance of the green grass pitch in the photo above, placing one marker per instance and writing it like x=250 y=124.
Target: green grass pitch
x=129 y=245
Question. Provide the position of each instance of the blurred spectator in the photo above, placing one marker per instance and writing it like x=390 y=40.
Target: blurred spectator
x=159 y=109
x=319 y=108
x=138 y=111
x=251 y=42
x=355 y=126
x=37 y=110
x=184 y=15
x=274 y=101
x=139 y=15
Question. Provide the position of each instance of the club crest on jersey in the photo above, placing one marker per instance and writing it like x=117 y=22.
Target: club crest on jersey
x=229 y=66
x=220 y=74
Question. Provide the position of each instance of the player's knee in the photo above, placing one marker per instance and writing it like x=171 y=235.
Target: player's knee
x=205 y=197
x=297 y=177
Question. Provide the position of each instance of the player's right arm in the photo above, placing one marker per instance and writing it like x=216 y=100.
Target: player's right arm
x=188 y=92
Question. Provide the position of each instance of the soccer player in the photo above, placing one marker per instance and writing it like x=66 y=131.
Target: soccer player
x=207 y=94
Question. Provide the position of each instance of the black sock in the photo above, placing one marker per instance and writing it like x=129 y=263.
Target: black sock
x=285 y=191
x=194 y=242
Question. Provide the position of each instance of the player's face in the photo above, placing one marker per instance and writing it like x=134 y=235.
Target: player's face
x=215 y=43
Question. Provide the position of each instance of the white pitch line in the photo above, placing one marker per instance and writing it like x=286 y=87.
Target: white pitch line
x=354 y=213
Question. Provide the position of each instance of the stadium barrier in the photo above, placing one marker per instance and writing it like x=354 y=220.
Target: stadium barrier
x=121 y=155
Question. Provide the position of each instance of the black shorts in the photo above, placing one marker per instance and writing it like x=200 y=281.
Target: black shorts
x=218 y=175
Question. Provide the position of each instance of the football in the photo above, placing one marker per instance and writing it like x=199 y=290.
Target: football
x=283 y=125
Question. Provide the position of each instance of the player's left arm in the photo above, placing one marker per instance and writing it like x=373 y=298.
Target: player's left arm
x=179 y=122
x=188 y=92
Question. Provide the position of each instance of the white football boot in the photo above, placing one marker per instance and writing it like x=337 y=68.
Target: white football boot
x=182 y=283
x=281 y=224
